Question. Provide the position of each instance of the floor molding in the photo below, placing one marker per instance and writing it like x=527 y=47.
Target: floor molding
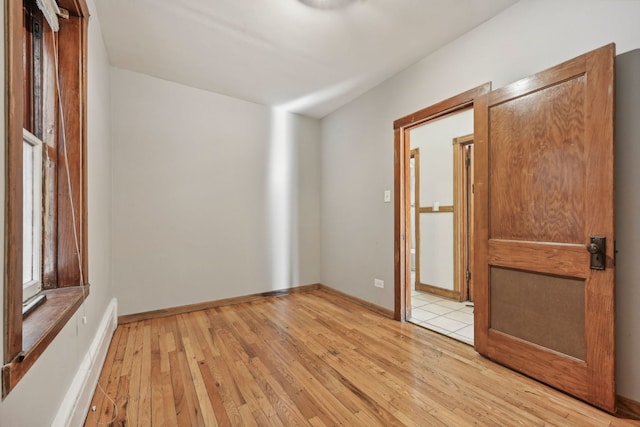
x=628 y=408
x=446 y=293
x=366 y=304
x=75 y=405
x=154 y=314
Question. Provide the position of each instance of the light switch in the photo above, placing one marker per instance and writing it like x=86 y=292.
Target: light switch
x=387 y=196
x=436 y=206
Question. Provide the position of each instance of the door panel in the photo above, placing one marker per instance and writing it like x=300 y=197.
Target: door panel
x=545 y=310
x=543 y=187
x=527 y=150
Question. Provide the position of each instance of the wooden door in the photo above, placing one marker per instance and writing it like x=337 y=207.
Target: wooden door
x=543 y=187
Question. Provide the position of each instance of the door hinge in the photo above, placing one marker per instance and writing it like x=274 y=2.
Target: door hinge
x=468 y=275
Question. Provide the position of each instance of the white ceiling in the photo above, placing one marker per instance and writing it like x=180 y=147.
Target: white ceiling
x=282 y=52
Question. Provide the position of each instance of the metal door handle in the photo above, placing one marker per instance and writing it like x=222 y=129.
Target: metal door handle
x=597 y=249
x=593 y=248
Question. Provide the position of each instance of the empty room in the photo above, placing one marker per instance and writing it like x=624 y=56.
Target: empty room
x=320 y=212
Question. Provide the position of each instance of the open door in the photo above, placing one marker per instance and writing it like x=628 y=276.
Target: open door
x=544 y=234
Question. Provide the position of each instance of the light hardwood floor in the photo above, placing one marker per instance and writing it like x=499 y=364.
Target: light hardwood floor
x=314 y=359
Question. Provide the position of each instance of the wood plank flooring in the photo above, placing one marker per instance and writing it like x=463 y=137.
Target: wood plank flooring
x=314 y=359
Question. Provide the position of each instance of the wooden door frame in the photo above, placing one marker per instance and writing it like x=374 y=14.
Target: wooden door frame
x=401 y=154
x=462 y=214
x=415 y=153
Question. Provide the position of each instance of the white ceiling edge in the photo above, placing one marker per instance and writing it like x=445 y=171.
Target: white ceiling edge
x=282 y=53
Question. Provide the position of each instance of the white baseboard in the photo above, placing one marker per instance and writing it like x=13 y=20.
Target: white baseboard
x=75 y=405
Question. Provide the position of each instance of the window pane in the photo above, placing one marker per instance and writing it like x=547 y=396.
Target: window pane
x=31 y=215
x=27 y=212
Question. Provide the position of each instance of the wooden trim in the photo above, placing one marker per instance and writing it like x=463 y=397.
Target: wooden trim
x=51 y=163
x=84 y=187
x=61 y=304
x=171 y=311
x=463 y=140
x=70 y=71
x=481 y=227
x=400 y=242
x=436 y=290
x=366 y=304
x=415 y=153
x=463 y=214
x=458 y=218
x=75 y=7
x=13 y=189
x=443 y=209
x=401 y=186
x=628 y=408
x=442 y=108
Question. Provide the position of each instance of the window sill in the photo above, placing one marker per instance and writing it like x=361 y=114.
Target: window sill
x=40 y=328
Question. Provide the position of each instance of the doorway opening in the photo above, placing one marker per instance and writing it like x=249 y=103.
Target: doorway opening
x=440 y=225
x=434 y=224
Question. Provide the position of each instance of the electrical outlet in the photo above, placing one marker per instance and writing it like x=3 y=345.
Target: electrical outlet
x=378 y=283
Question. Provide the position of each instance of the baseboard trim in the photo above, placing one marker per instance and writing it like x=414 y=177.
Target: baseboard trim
x=366 y=304
x=628 y=408
x=75 y=405
x=172 y=311
x=446 y=293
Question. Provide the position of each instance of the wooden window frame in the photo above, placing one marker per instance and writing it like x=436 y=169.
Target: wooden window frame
x=26 y=339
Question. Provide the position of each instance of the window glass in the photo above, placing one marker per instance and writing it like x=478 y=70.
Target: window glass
x=31 y=215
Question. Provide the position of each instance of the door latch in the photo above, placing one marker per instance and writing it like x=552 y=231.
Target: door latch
x=597 y=248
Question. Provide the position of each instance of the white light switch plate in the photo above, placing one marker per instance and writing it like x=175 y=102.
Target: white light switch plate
x=387 y=196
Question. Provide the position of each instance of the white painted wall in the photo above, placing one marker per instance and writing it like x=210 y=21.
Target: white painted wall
x=357 y=145
x=213 y=197
x=35 y=400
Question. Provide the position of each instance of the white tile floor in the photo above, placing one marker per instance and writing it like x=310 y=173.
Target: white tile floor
x=451 y=318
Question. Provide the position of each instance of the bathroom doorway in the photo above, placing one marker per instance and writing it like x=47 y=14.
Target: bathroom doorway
x=440 y=262
x=440 y=193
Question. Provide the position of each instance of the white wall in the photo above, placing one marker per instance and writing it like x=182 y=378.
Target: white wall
x=357 y=146
x=213 y=197
x=36 y=398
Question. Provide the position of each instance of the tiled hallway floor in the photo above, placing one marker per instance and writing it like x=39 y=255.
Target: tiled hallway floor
x=451 y=318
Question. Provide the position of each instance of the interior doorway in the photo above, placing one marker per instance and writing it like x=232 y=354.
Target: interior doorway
x=440 y=284
x=433 y=217
x=544 y=274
